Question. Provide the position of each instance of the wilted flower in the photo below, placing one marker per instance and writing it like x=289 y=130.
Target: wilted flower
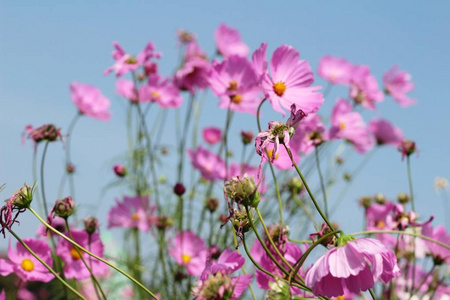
x=242 y=190
x=47 y=132
x=15 y=205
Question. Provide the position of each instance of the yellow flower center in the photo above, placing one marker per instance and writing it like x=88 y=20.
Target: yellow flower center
x=342 y=126
x=27 y=265
x=135 y=217
x=186 y=258
x=279 y=88
x=131 y=60
x=380 y=224
x=236 y=99
x=155 y=95
x=340 y=297
x=75 y=254
x=233 y=86
x=270 y=152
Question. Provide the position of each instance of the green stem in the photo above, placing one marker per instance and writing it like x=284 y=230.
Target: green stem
x=322 y=184
x=68 y=153
x=94 y=279
x=47 y=266
x=307 y=188
x=411 y=192
x=372 y=294
x=92 y=254
x=40 y=204
x=42 y=178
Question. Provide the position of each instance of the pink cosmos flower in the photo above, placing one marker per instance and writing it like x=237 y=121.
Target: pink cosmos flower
x=364 y=87
x=73 y=265
x=193 y=75
x=259 y=61
x=228 y=42
x=290 y=82
x=161 y=91
x=385 y=133
x=190 y=251
x=236 y=83
x=380 y=216
x=90 y=101
x=24 y=265
x=308 y=134
x=126 y=62
x=439 y=253
x=354 y=265
x=212 y=135
x=211 y=166
x=193 y=50
x=132 y=212
x=335 y=70
x=397 y=84
x=348 y=124
x=126 y=89
x=216 y=278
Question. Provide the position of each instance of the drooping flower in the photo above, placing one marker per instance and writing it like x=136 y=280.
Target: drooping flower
x=212 y=135
x=126 y=62
x=46 y=132
x=290 y=82
x=211 y=166
x=355 y=265
x=335 y=70
x=440 y=254
x=364 y=87
x=25 y=265
x=190 y=251
x=131 y=212
x=15 y=205
x=228 y=42
x=236 y=83
x=348 y=124
x=398 y=84
x=73 y=265
x=385 y=133
x=216 y=282
x=90 y=101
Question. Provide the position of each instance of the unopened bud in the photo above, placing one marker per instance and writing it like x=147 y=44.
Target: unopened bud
x=70 y=168
x=64 y=208
x=163 y=222
x=295 y=185
x=407 y=148
x=347 y=176
x=247 y=137
x=90 y=224
x=380 y=198
x=242 y=191
x=365 y=201
x=120 y=170
x=179 y=189
x=212 y=204
x=279 y=290
x=23 y=197
x=403 y=198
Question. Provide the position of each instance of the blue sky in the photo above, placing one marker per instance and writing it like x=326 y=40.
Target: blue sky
x=45 y=45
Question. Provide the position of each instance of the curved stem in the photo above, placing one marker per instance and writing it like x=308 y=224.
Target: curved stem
x=307 y=188
x=47 y=266
x=322 y=184
x=42 y=178
x=92 y=254
x=94 y=279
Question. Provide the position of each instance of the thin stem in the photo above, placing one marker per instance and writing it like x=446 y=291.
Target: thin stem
x=94 y=279
x=68 y=153
x=225 y=138
x=411 y=192
x=307 y=188
x=92 y=254
x=42 y=178
x=47 y=266
x=322 y=184
x=40 y=204
x=372 y=294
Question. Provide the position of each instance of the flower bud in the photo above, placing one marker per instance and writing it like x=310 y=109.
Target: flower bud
x=380 y=198
x=295 y=185
x=120 y=170
x=211 y=204
x=347 y=176
x=90 y=224
x=339 y=160
x=179 y=189
x=70 y=168
x=279 y=290
x=407 y=148
x=242 y=191
x=64 y=208
x=23 y=197
x=247 y=137
x=365 y=201
x=240 y=220
x=163 y=222
x=403 y=198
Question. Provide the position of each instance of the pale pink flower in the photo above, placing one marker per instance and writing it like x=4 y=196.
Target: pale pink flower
x=212 y=135
x=364 y=87
x=126 y=62
x=161 y=91
x=90 y=101
x=193 y=75
x=355 y=264
x=24 y=265
x=398 y=84
x=439 y=253
x=73 y=265
x=132 y=212
x=290 y=82
x=259 y=61
x=190 y=251
x=193 y=50
x=385 y=132
x=308 y=134
x=126 y=89
x=211 y=166
x=228 y=41
x=335 y=70
x=349 y=125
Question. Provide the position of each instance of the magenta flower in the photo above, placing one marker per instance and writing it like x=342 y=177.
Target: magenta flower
x=126 y=62
x=354 y=265
x=120 y=170
x=228 y=42
x=126 y=89
x=290 y=82
x=190 y=251
x=212 y=135
x=73 y=265
x=385 y=133
x=236 y=83
x=24 y=265
x=348 y=124
x=398 y=84
x=211 y=166
x=335 y=70
x=193 y=75
x=132 y=212
x=439 y=253
x=161 y=91
x=308 y=134
x=364 y=87
x=193 y=50
x=216 y=283
x=90 y=101
x=380 y=216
